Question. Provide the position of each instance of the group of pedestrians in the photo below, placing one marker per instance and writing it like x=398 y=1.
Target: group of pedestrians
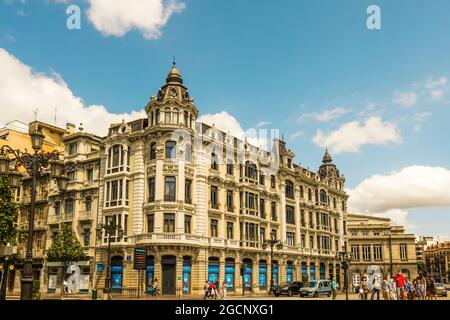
x=153 y=287
x=215 y=291
x=397 y=287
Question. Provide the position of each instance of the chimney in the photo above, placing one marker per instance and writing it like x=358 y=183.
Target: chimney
x=70 y=127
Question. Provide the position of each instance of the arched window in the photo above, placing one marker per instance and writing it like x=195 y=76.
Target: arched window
x=153 y=151
x=171 y=150
x=186 y=118
x=175 y=116
x=167 y=115
x=289 y=190
x=250 y=170
x=157 y=116
x=323 y=197
x=188 y=152
x=214 y=162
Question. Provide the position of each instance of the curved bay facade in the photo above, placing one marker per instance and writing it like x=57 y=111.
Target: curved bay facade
x=203 y=202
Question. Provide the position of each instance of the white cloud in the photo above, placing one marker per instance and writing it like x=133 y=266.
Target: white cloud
x=326 y=115
x=117 y=17
x=263 y=124
x=419 y=119
x=436 y=87
x=22 y=90
x=352 y=135
x=298 y=134
x=405 y=99
x=394 y=194
x=228 y=124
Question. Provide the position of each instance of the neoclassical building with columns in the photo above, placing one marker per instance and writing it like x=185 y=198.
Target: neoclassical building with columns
x=202 y=203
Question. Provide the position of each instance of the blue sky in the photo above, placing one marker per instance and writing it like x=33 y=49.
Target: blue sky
x=377 y=98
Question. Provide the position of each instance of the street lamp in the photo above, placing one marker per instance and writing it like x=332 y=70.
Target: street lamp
x=35 y=164
x=272 y=243
x=345 y=258
x=111 y=229
x=243 y=267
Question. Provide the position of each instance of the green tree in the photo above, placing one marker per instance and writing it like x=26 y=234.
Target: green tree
x=65 y=247
x=9 y=213
x=421 y=267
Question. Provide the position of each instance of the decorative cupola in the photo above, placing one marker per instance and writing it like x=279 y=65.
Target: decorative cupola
x=173 y=106
x=328 y=168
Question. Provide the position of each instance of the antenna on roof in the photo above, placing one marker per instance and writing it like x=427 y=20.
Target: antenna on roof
x=56 y=110
x=35 y=114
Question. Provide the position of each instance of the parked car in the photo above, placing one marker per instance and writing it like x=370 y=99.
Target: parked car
x=289 y=288
x=316 y=288
x=441 y=290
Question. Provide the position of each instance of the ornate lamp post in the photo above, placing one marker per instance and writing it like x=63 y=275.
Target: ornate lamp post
x=110 y=229
x=272 y=243
x=345 y=258
x=35 y=164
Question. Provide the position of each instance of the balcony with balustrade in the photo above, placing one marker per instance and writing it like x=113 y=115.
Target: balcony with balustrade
x=168 y=238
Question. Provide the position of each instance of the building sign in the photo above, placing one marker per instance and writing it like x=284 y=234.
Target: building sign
x=140 y=258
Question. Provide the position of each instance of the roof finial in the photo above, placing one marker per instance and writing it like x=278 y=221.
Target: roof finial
x=174 y=62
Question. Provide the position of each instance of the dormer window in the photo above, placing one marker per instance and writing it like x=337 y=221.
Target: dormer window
x=289 y=163
x=250 y=170
x=73 y=149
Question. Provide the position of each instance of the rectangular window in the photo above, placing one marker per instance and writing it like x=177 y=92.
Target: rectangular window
x=366 y=252
x=72 y=176
x=274 y=211
x=230 y=168
x=290 y=239
x=170 y=189
x=72 y=149
x=86 y=237
x=150 y=223
x=302 y=192
x=214 y=228
x=230 y=234
x=403 y=252
x=214 y=198
x=311 y=242
x=377 y=252
x=262 y=208
x=169 y=222
x=57 y=208
x=187 y=224
x=273 y=234
x=262 y=235
x=311 y=220
x=68 y=207
x=262 y=178
x=230 y=206
x=355 y=252
x=116 y=156
x=151 y=190
x=272 y=182
x=90 y=174
x=302 y=217
x=290 y=215
x=303 y=240
x=187 y=191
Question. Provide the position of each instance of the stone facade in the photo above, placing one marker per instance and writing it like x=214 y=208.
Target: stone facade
x=437 y=260
x=377 y=245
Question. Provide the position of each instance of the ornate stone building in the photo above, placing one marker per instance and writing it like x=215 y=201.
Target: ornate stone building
x=376 y=245
x=437 y=260
x=202 y=203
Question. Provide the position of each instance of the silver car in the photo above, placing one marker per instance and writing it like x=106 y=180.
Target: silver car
x=316 y=288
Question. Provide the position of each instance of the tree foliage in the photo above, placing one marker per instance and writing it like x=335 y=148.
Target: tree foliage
x=9 y=213
x=65 y=246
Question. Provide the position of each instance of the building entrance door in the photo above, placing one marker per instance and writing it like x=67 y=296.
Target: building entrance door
x=169 y=275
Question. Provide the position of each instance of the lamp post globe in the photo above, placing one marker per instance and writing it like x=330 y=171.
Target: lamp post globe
x=63 y=181
x=37 y=138
x=15 y=179
x=4 y=164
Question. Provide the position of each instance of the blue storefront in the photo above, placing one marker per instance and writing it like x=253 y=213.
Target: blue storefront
x=230 y=270
x=150 y=274
x=247 y=274
x=289 y=272
x=263 y=274
x=275 y=272
x=312 y=272
x=213 y=270
x=116 y=273
x=187 y=265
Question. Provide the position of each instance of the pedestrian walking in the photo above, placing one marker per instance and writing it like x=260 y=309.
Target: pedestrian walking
x=364 y=291
x=400 y=284
x=385 y=288
x=421 y=287
x=392 y=289
x=333 y=288
x=224 y=290
x=376 y=287
x=206 y=289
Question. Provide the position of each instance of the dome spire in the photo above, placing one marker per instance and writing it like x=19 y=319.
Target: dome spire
x=174 y=75
x=327 y=157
